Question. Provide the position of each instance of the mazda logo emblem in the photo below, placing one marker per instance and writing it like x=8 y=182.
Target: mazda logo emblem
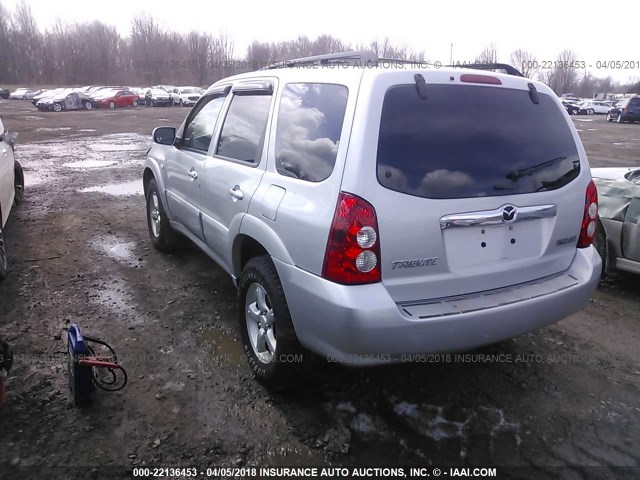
x=509 y=214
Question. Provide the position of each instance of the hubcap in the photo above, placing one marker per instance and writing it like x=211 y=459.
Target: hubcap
x=3 y=251
x=260 y=323
x=154 y=215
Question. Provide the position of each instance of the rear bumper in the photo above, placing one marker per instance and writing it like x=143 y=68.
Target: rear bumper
x=362 y=325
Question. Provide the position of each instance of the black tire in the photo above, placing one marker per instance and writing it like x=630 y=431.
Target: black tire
x=289 y=362
x=164 y=238
x=181 y=104
x=4 y=266
x=57 y=107
x=18 y=183
x=172 y=102
x=600 y=243
x=608 y=117
x=620 y=119
x=88 y=106
x=153 y=104
x=134 y=104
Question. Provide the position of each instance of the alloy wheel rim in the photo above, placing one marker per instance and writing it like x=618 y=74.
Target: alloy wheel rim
x=260 y=321
x=154 y=215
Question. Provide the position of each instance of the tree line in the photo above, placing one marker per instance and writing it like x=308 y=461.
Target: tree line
x=96 y=53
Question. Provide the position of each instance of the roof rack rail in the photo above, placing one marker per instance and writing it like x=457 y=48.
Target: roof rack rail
x=490 y=66
x=356 y=57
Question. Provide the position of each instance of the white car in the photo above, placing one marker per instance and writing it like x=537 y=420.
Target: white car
x=20 y=93
x=594 y=106
x=11 y=188
x=185 y=96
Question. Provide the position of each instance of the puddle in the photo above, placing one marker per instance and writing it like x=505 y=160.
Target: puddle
x=585 y=119
x=122 y=251
x=32 y=117
x=592 y=129
x=124 y=189
x=51 y=129
x=82 y=164
x=87 y=130
x=225 y=349
x=112 y=147
x=33 y=178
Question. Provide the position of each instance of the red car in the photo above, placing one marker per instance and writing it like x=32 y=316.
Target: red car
x=116 y=98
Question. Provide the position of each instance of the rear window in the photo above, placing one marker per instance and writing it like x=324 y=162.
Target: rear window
x=635 y=102
x=470 y=141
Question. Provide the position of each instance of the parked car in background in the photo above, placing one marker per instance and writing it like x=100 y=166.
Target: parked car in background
x=4 y=93
x=11 y=188
x=184 y=96
x=627 y=110
x=46 y=94
x=570 y=97
x=494 y=239
x=572 y=108
x=618 y=232
x=67 y=99
x=29 y=95
x=116 y=98
x=21 y=93
x=590 y=107
x=156 y=97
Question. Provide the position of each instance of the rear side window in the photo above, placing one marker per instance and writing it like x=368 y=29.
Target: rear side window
x=244 y=127
x=634 y=102
x=470 y=141
x=309 y=127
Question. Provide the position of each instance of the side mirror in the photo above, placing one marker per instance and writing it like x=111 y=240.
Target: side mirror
x=164 y=135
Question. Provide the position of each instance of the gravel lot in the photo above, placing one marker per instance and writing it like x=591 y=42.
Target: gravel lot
x=79 y=252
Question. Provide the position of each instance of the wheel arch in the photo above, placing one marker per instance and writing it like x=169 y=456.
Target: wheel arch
x=255 y=238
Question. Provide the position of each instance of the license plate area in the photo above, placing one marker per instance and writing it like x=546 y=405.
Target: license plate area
x=472 y=246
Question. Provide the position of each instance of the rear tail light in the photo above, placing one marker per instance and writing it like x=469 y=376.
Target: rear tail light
x=625 y=110
x=353 y=248
x=590 y=217
x=472 y=78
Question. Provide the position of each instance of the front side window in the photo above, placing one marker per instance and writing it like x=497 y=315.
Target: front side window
x=244 y=127
x=199 y=130
x=309 y=127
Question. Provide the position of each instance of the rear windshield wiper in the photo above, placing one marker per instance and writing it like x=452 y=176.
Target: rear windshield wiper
x=516 y=174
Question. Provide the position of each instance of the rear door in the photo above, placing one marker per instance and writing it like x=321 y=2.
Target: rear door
x=232 y=173
x=475 y=185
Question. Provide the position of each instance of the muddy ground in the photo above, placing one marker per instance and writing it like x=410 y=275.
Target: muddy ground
x=79 y=252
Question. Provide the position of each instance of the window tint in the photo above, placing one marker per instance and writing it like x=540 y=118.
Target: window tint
x=471 y=141
x=309 y=126
x=198 y=133
x=244 y=127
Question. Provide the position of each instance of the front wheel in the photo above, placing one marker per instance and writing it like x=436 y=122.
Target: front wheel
x=57 y=107
x=268 y=338
x=590 y=111
x=88 y=105
x=134 y=104
x=18 y=183
x=162 y=235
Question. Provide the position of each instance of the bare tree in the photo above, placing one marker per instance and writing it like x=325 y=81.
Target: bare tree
x=524 y=61
x=488 y=55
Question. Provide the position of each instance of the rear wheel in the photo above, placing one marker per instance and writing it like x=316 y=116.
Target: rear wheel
x=268 y=338
x=57 y=107
x=162 y=235
x=88 y=105
x=18 y=183
x=620 y=119
x=135 y=103
x=608 y=117
x=590 y=111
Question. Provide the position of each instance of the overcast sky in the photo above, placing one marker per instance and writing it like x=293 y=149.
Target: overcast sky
x=542 y=27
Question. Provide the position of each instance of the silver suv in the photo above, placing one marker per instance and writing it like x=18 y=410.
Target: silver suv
x=370 y=210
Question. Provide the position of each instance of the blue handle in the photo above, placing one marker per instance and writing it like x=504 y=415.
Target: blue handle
x=76 y=340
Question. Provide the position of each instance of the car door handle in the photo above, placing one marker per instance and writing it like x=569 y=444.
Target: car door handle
x=236 y=193
x=193 y=174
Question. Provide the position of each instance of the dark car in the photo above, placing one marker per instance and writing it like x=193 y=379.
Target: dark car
x=66 y=100
x=627 y=110
x=572 y=108
x=4 y=93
